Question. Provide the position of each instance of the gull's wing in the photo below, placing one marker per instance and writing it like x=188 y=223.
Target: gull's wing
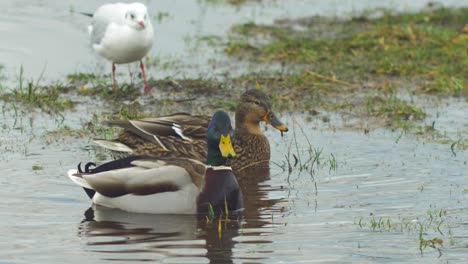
x=103 y=17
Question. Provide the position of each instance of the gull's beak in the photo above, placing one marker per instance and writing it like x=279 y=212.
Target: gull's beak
x=142 y=24
x=271 y=119
x=225 y=146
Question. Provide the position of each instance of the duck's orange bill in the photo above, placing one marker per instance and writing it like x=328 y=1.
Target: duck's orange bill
x=271 y=119
x=225 y=146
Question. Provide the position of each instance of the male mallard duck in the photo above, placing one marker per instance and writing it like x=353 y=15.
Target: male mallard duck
x=183 y=135
x=168 y=185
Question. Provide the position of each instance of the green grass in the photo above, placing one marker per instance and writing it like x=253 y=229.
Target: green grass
x=90 y=84
x=358 y=66
x=396 y=110
x=30 y=93
x=304 y=157
x=430 y=45
x=432 y=224
x=37 y=167
x=194 y=87
x=66 y=131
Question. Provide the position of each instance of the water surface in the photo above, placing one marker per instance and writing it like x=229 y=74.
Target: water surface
x=308 y=216
x=321 y=214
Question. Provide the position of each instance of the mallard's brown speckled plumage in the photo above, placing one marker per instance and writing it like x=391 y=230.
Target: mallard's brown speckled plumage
x=175 y=135
x=157 y=137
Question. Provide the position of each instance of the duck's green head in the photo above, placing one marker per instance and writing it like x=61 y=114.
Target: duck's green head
x=219 y=136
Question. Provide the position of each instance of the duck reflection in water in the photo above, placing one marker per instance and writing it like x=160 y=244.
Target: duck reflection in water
x=120 y=235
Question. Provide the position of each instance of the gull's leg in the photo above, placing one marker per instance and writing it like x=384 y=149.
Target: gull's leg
x=130 y=73
x=114 y=86
x=142 y=67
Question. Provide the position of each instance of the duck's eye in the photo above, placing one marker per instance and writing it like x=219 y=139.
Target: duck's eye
x=257 y=102
x=132 y=16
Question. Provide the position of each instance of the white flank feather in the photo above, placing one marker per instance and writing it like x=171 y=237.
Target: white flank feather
x=112 y=145
x=150 y=164
x=183 y=201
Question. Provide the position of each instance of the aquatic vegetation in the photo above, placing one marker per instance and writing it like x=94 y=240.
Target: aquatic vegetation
x=160 y=16
x=432 y=224
x=364 y=65
x=37 y=167
x=230 y=2
x=399 y=111
x=211 y=215
x=30 y=93
x=91 y=84
x=461 y=144
x=193 y=87
x=428 y=45
x=301 y=156
x=2 y=77
x=64 y=132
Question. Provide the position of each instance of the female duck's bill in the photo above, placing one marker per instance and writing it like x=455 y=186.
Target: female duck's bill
x=168 y=185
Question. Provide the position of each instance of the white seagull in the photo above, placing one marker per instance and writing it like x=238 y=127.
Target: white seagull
x=122 y=33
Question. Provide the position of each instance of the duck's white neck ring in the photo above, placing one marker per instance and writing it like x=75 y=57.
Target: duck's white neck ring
x=219 y=167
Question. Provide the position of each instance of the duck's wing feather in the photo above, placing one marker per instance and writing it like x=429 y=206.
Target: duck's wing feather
x=186 y=125
x=179 y=125
x=142 y=129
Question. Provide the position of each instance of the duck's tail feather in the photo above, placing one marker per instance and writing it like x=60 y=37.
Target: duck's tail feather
x=75 y=176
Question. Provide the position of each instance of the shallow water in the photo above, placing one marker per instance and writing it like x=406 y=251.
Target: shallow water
x=301 y=217
x=318 y=215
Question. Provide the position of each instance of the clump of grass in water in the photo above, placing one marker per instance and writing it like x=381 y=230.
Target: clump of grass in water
x=223 y=217
x=211 y=215
x=45 y=98
x=37 y=167
x=307 y=159
x=433 y=220
x=398 y=111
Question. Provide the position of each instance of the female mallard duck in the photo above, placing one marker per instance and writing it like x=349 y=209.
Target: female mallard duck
x=183 y=135
x=168 y=185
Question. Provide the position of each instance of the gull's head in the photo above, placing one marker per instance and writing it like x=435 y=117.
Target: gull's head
x=137 y=17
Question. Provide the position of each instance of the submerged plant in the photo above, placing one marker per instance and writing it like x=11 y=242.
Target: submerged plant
x=211 y=215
